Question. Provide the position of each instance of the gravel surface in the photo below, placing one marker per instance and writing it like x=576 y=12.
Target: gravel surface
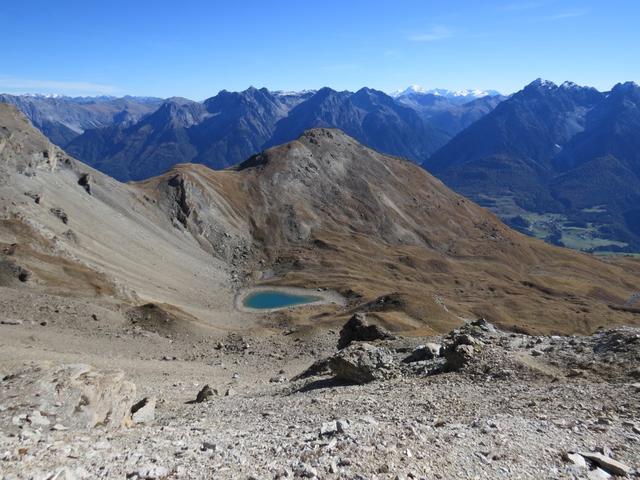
x=516 y=408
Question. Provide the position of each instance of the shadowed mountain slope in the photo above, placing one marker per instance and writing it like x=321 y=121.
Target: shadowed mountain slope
x=235 y=125
x=62 y=119
x=221 y=131
x=565 y=152
x=370 y=116
x=450 y=115
x=151 y=145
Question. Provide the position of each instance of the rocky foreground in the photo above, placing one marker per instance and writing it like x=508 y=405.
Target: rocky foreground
x=476 y=403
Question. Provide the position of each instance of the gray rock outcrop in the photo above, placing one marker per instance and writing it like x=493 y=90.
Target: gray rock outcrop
x=77 y=396
x=362 y=363
x=358 y=329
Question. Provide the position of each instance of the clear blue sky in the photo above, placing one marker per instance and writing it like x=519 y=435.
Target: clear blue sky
x=196 y=48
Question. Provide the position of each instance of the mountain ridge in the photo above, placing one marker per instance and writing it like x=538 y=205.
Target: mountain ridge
x=467 y=94
x=239 y=124
x=240 y=131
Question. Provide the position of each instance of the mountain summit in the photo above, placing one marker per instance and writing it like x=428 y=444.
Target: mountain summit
x=326 y=211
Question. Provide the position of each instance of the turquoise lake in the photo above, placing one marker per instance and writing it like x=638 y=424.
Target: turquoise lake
x=274 y=299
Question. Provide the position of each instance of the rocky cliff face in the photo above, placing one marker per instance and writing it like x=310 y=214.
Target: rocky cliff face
x=75 y=230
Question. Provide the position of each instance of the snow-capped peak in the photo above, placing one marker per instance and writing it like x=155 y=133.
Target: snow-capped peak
x=43 y=95
x=569 y=85
x=292 y=93
x=443 y=92
x=409 y=90
x=539 y=82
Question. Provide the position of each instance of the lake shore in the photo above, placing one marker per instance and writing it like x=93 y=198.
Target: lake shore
x=324 y=297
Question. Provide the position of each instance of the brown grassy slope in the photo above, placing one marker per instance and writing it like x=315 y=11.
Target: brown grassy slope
x=324 y=211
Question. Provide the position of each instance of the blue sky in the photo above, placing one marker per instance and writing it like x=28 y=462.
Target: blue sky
x=196 y=48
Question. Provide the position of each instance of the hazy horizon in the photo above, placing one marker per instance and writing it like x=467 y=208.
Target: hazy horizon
x=428 y=89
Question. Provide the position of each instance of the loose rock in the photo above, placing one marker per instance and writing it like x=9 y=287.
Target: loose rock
x=358 y=329
x=144 y=411
x=607 y=463
x=79 y=396
x=423 y=352
x=204 y=394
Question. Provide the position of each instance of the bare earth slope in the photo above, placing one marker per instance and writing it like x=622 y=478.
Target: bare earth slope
x=76 y=231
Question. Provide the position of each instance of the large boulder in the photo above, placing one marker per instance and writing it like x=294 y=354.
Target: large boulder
x=358 y=329
x=459 y=356
x=362 y=363
x=462 y=346
x=76 y=396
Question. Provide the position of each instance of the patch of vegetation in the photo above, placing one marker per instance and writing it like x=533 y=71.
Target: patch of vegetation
x=589 y=231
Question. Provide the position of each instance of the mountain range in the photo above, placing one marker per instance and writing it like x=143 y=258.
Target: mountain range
x=460 y=96
x=558 y=161
x=227 y=128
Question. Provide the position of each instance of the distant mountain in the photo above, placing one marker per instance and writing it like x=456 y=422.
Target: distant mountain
x=562 y=162
x=450 y=114
x=228 y=128
x=63 y=118
x=370 y=116
x=220 y=132
x=155 y=143
x=293 y=97
x=459 y=96
x=239 y=124
x=132 y=138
